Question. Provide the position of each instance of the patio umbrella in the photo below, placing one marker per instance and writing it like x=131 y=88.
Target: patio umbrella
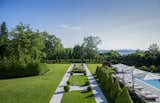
x=151 y=76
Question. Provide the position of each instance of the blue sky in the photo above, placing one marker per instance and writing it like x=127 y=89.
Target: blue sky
x=121 y=24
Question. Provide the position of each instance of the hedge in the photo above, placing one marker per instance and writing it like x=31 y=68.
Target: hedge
x=111 y=86
x=18 y=70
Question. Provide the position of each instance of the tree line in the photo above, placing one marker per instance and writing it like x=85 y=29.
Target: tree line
x=147 y=60
x=23 y=48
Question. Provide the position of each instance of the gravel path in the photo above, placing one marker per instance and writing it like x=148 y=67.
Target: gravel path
x=100 y=98
x=73 y=88
x=57 y=97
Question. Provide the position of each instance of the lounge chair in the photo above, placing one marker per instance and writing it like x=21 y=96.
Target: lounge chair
x=146 y=92
x=150 y=97
x=138 y=87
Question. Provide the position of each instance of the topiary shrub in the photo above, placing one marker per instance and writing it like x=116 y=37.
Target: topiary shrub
x=68 y=82
x=108 y=84
x=87 y=83
x=78 y=70
x=89 y=88
x=71 y=73
x=115 y=91
x=124 y=97
x=66 y=88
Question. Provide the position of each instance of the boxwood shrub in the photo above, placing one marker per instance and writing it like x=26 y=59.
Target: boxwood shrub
x=66 y=88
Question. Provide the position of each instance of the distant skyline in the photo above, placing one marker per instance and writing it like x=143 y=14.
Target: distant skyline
x=121 y=24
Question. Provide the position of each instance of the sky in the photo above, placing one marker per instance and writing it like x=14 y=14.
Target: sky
x=121 y=24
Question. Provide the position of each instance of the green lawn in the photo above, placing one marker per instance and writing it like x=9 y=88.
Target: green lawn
x=78 y=97
x=37 y=89
x=78 y=80
x=92 y=67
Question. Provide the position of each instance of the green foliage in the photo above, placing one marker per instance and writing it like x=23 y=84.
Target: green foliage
x=20 y=70
x=3 y=33
x=124 y=97
x=143 y=67
x=53 y=47
x=153 y=68
x=23 y=52
x=154 y=48
x=110 y=86
x=112 y=56
x=35 y=89
x=87 y=83
x=147 y=58
x=116 y=88
x=91 y=42
x=89 y=88
x=115 y=91
x=68 y=82
x=66 y=88
x=78 y=71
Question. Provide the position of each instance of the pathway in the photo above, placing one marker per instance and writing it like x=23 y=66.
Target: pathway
x=73 y=88
x=57 y=97
x=99 y=97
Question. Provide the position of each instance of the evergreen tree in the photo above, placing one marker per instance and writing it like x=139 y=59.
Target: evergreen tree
x=115 y=90
x=3 y=33
x=124 y=97
x=108 y=84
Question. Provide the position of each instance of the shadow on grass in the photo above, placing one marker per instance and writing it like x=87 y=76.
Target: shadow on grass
x=90 y=95
x=84 y=91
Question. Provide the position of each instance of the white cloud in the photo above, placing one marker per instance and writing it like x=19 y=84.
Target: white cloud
x=69 y=27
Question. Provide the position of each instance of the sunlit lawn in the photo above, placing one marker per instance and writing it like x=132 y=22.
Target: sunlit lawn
x=78 y=97
x=37 y=89
x=78 y=80
x=92 y=67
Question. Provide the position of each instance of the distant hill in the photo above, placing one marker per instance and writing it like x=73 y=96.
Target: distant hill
x=122 y=51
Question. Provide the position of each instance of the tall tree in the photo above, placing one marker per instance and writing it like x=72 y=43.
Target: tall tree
x=154 y=48
x=77 y=52
x=3 y=33
x=26 y=45
x=91 y=42
x=53 y=46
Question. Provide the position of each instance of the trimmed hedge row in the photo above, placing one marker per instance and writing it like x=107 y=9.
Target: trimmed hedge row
x=74 y=61
x=18 y=70
x=111 y=86
x=78 y=71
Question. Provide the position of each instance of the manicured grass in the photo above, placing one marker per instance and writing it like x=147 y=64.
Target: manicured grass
x=37 y=89
x=78 y=80
x=78 y=97
x=92 y=67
